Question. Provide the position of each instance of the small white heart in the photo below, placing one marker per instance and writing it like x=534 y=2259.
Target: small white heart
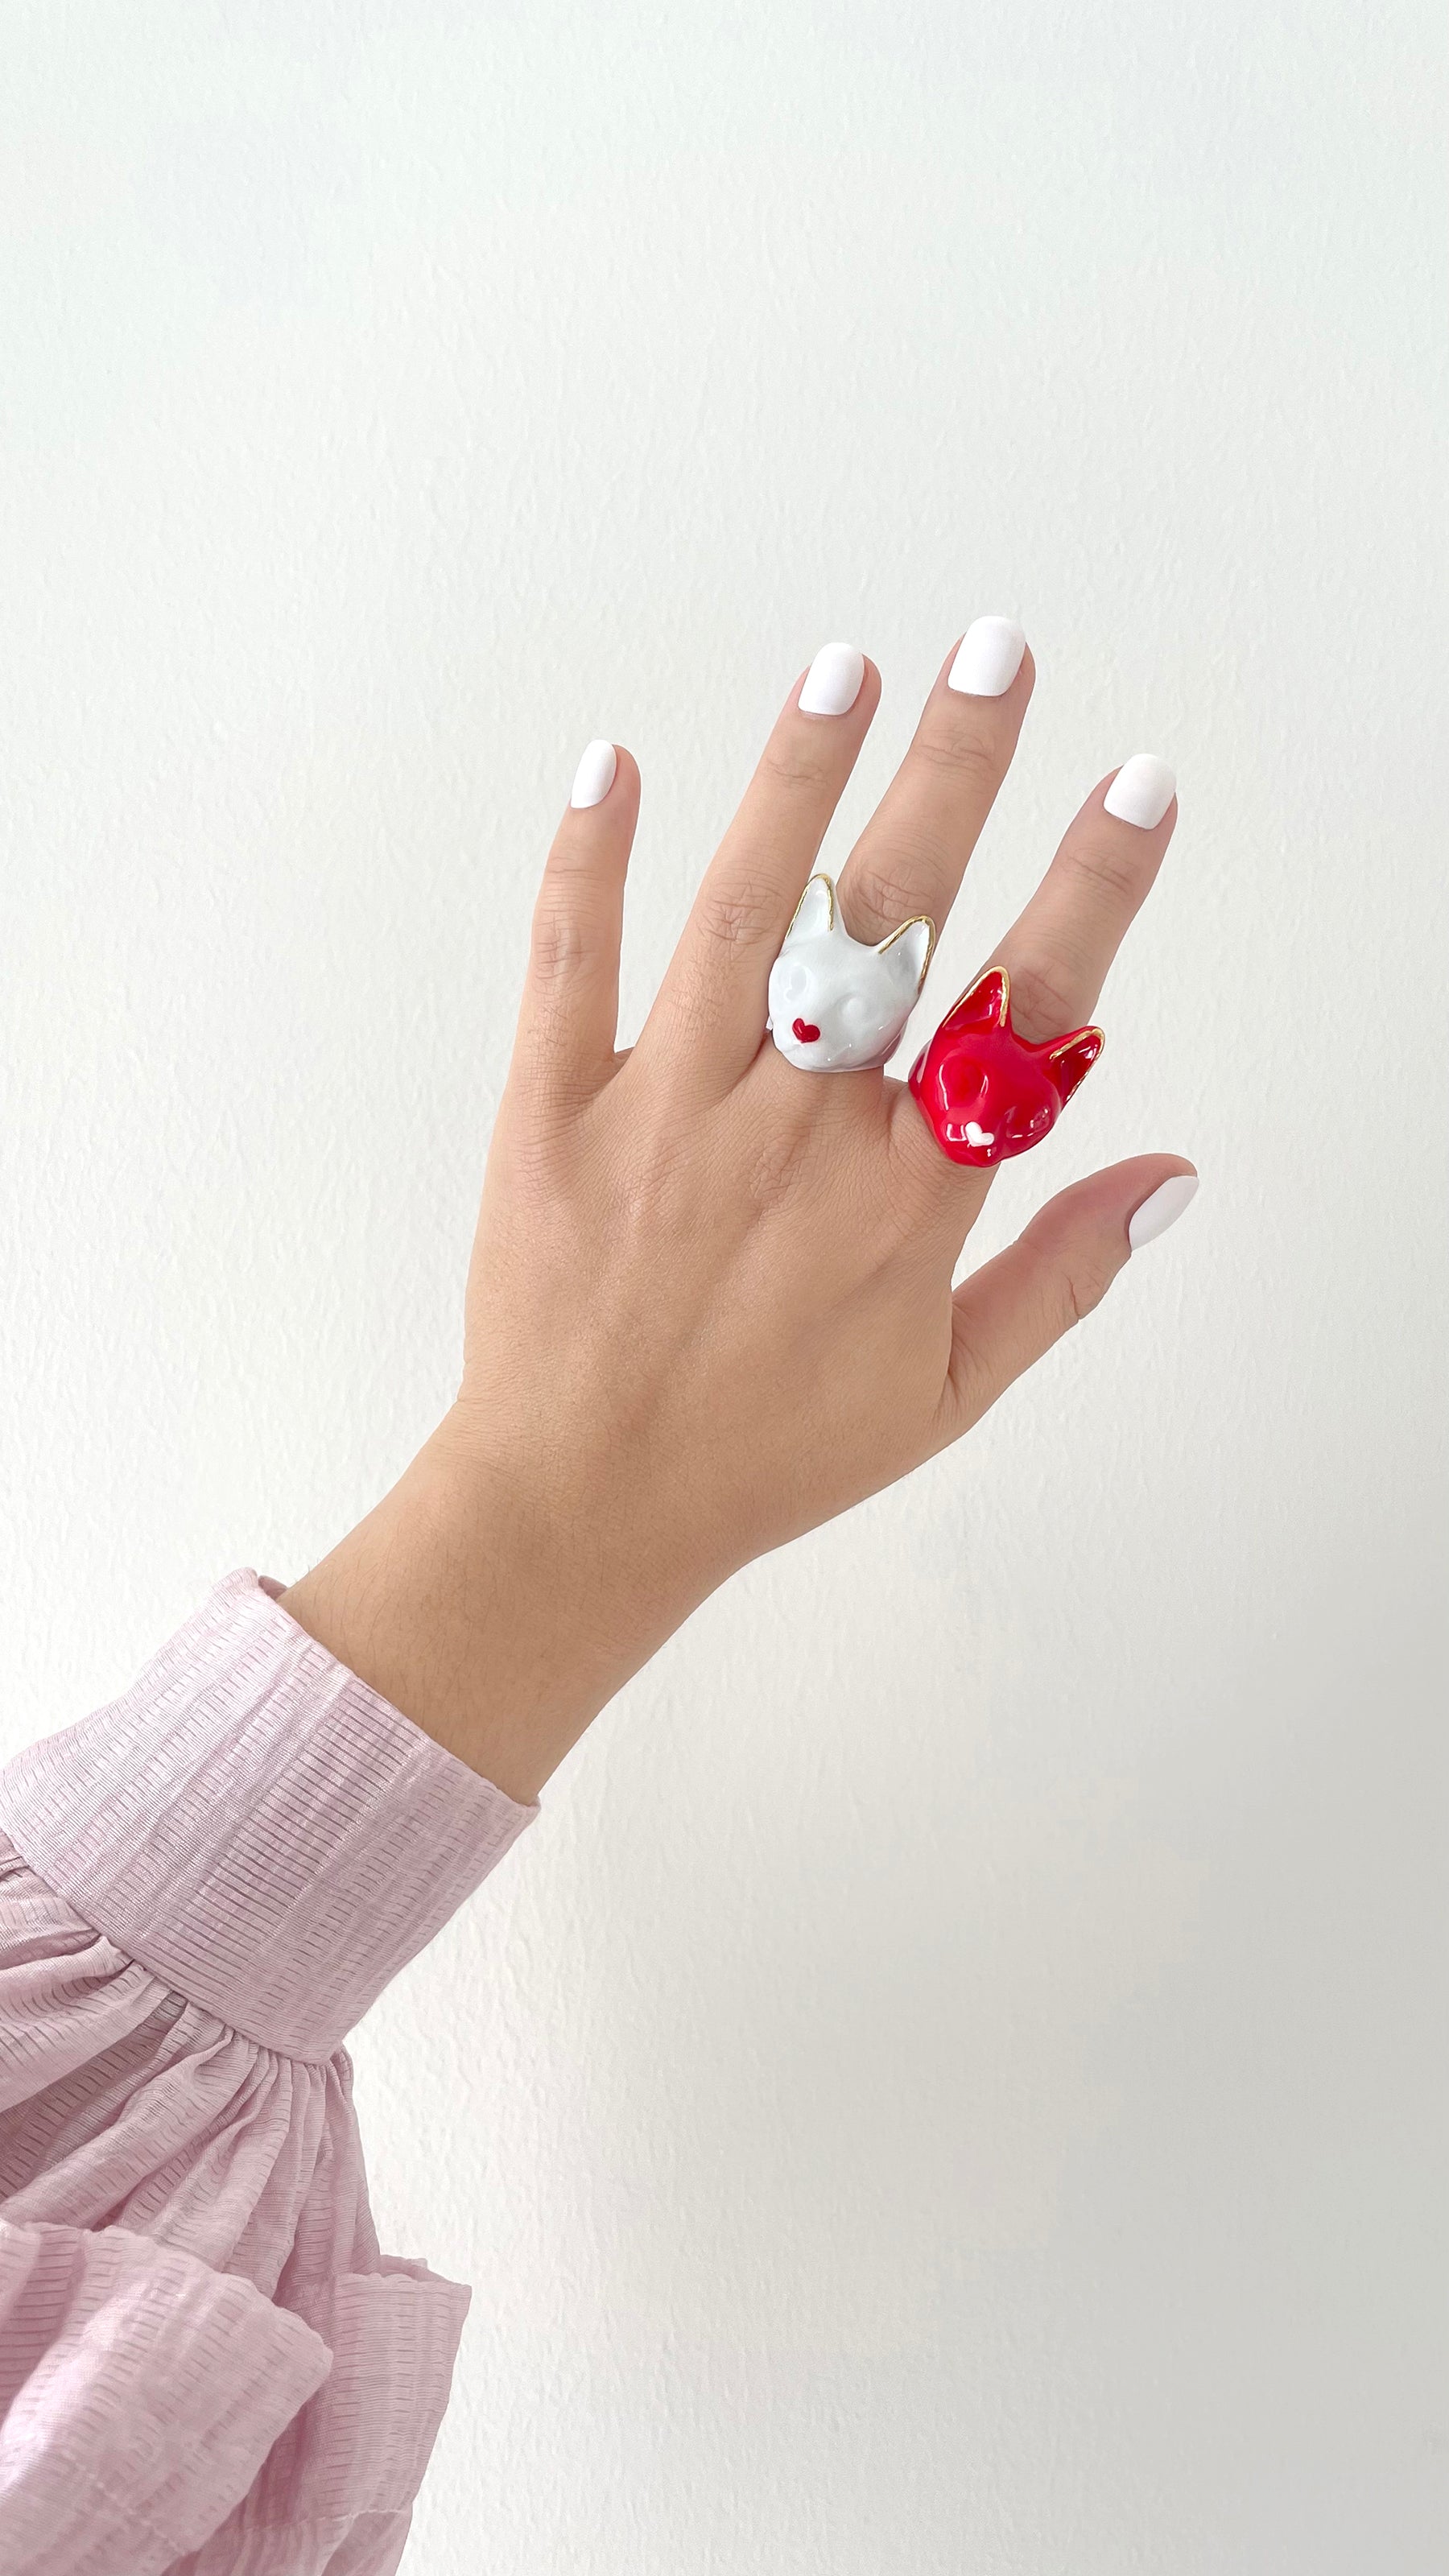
x=979 y=1136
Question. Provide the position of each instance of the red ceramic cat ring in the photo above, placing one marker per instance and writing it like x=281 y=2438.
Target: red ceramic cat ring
x=837 y=1005
x=984 y=1092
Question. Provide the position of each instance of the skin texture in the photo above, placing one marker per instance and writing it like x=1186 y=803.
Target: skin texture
x=710 y=1300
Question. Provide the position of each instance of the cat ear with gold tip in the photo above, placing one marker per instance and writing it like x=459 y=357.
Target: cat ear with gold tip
x=837 y=1004
x=984 y=1004
x=987 y=1094
x=1070 y=1060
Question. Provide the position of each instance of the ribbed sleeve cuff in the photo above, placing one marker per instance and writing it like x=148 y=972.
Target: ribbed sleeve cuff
x=256 y=1826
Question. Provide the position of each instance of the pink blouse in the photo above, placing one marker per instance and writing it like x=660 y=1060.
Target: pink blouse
x=206 y=2364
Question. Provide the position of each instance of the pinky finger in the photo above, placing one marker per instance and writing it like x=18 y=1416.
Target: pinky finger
x=1011 y=1311
x=570 y=1010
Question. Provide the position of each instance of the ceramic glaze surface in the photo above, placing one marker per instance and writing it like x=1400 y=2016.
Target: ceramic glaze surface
x=985 y=1093
x=838 y=1005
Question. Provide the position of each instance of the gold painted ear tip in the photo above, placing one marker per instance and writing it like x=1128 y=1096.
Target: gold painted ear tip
x=817 y=876
x=917 y=921
x=924 y=922
x=1078 y=1037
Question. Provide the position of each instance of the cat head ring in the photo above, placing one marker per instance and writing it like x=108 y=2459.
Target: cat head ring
x=987 y=1094
x=839 y=1005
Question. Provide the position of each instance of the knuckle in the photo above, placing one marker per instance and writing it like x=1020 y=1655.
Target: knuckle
x=741 y=915
x=796 y=765
x=963 y=755
x=971 y=1369
x=1084 y=1284
x=1110 y=866
x=559 y=944
x=881 y=889
x=1042 y=999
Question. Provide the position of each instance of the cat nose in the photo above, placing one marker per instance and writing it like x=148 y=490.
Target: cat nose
x=803 y=1032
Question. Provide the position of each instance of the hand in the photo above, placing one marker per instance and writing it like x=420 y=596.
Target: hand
x=710 y=1302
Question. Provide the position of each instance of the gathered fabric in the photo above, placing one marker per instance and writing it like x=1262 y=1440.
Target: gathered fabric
x=207 y=2365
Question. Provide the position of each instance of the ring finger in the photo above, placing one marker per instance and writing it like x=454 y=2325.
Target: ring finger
x=1058 y=950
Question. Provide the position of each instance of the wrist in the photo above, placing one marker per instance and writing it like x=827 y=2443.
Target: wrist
x=478 y=1599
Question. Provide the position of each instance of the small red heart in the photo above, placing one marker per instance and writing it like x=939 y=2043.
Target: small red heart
x=802 y=1030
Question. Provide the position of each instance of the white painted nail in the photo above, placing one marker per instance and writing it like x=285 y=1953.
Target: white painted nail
x=1142 y=791
x=988 y=658
x=1163 y=1209
x=594 y=775
x=832 y=683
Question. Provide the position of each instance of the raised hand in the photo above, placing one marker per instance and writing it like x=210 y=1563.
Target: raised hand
x=710 y=1302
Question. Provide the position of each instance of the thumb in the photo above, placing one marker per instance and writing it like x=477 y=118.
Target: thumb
x=1009 y=1313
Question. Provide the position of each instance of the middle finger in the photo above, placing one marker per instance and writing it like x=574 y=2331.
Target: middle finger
x=912 y=855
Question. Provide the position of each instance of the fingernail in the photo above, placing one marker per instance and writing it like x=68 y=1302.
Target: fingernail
x=594 y=775
x=832 y=683
x=1163 y=1209
x=988 y=658
x=1142 y=791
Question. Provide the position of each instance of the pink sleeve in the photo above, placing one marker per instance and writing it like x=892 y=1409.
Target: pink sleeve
x=206 y=2364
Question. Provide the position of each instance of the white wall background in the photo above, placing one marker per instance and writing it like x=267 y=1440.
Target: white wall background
x=955 y=2080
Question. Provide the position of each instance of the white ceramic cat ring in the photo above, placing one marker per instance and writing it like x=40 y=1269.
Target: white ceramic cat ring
x=837 y=1004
